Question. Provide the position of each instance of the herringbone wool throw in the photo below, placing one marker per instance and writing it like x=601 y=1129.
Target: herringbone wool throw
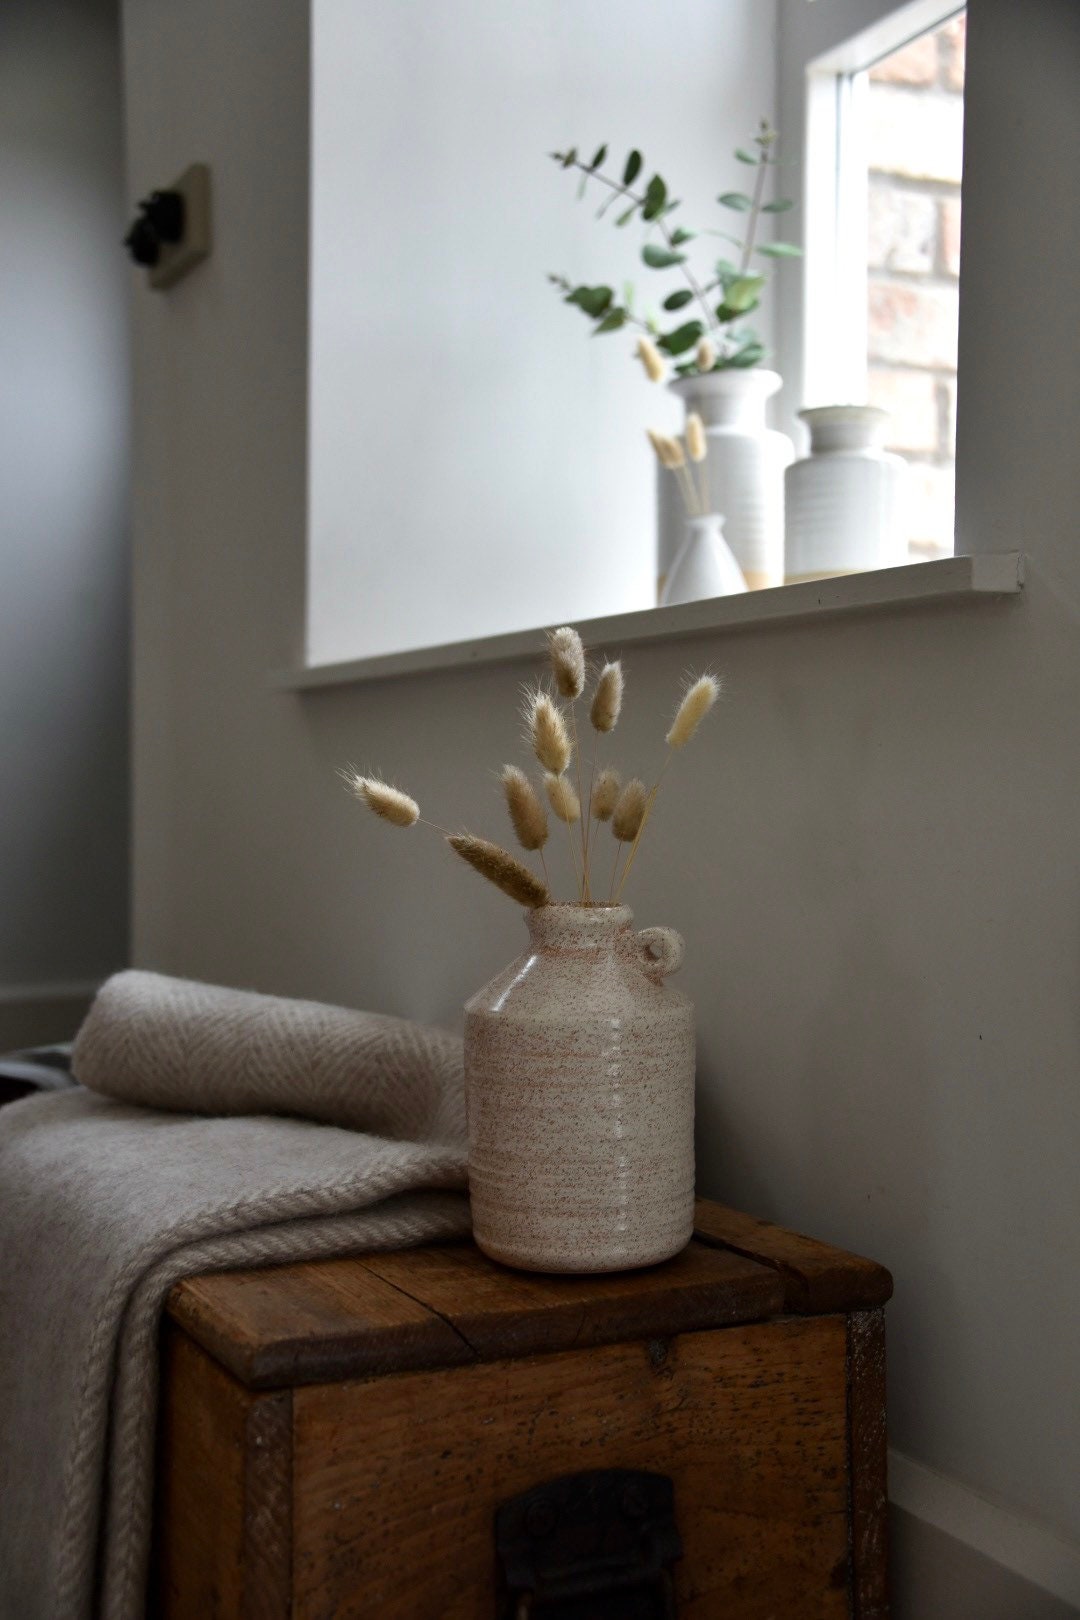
x=104 y=1205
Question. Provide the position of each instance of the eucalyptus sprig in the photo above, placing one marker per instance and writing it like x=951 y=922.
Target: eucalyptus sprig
x=725 y=296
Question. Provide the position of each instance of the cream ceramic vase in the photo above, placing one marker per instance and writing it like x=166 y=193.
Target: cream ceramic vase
x=579 y=1090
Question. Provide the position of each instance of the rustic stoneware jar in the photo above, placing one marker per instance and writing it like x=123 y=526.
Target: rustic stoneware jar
x=579 y=1088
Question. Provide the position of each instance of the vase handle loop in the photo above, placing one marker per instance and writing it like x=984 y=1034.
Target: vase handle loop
x=662 y=950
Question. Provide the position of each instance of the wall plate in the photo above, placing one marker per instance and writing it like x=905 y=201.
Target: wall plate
x=177 y=258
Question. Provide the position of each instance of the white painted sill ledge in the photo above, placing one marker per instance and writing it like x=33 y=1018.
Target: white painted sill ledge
x=949 y=579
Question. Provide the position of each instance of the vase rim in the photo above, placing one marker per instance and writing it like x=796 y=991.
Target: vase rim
x=740 y=380
x=843 y=413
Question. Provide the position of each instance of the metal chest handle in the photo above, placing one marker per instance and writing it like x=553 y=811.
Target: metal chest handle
x=589 y=1546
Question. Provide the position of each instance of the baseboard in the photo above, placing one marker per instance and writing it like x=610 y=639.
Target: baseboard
x=38 y=1014
x=956 y=1555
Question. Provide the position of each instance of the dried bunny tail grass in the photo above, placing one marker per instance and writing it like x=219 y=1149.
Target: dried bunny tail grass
x=562 y=798
x=706 y=355
x=696 y=444
x=675 y=455
x=547 y=732
x=386 y=801
x=659 y=444
x=629 y=811
x=500 y=868
x=669 y=452
x=697 y=700
x=527 y=814
x=606 y=794
x=567 y=661
x=649 y=355
x=607 y=699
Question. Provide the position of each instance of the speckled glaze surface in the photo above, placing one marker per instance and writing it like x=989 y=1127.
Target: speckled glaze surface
x=579 y=1089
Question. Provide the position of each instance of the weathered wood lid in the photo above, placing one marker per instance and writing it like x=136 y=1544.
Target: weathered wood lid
x=443 y=1306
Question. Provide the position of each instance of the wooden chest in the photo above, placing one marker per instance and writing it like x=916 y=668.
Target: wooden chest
x=336 y=1438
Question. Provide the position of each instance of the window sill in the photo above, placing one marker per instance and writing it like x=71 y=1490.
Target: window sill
x=948 y=579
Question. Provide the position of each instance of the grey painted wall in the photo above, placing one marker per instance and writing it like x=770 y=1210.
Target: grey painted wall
x=63 y=508
x=874 y=858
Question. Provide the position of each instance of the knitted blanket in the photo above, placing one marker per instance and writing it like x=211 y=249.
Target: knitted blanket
x=104 y=1204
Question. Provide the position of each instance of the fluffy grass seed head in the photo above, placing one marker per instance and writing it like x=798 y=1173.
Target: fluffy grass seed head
x=547 y=731
x=696 y=443
x=629 y=811
x=500 y=868
x=567 y=661
x=697 y=700
x=659 y=444
x=605 y=794
x=650 y=357
x=674 y=453
x=527 y=815
x=706 y=355
x=669 y=452
x=607 y=698
x=386 y=801
x=562 y=798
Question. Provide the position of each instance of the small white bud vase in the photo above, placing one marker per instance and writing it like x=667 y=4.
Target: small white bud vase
x=579 y=1091
x=846 y=505
x=744 y=472
x=704 y=566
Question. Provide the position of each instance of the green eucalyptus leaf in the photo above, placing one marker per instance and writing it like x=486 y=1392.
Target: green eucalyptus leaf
x=628 y=295
x=780 y=206
x=738 y=200
x=741 y=292
x=678 y=300
x=625 y=218
x=780 y=250
x=582 y=183
x=633 y=168
x=598 y=157
x=751 y=354
x=744 y=156
x=731 y=312
x=660 y=258
x=569 y=158
x=655 y=197
x=593 y=300
x=680 y=236
x=611 y=322
x=725 y=269
x=683 y=338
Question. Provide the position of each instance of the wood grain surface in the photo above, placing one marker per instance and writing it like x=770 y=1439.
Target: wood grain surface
x=442 y=1306
x=223 y=1504
x=400 y=1476
x=816 y=1277
x=869 y=1483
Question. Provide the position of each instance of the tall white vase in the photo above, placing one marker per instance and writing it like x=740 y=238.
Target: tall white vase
x=744 y=469
x=846 y=508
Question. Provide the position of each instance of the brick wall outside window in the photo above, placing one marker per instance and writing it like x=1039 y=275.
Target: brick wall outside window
x=916 y=112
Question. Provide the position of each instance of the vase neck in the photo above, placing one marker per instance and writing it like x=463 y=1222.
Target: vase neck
x=729 y=399
x=844 y=427
x=577 y=928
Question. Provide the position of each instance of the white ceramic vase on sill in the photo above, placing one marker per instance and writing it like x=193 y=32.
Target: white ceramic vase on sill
x=579 y=1091
x=846 y=508
x=704 y=565
x=744 y=471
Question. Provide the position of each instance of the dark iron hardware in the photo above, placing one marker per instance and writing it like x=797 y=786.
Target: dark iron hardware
x=596 y=1546
x=160 y=219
